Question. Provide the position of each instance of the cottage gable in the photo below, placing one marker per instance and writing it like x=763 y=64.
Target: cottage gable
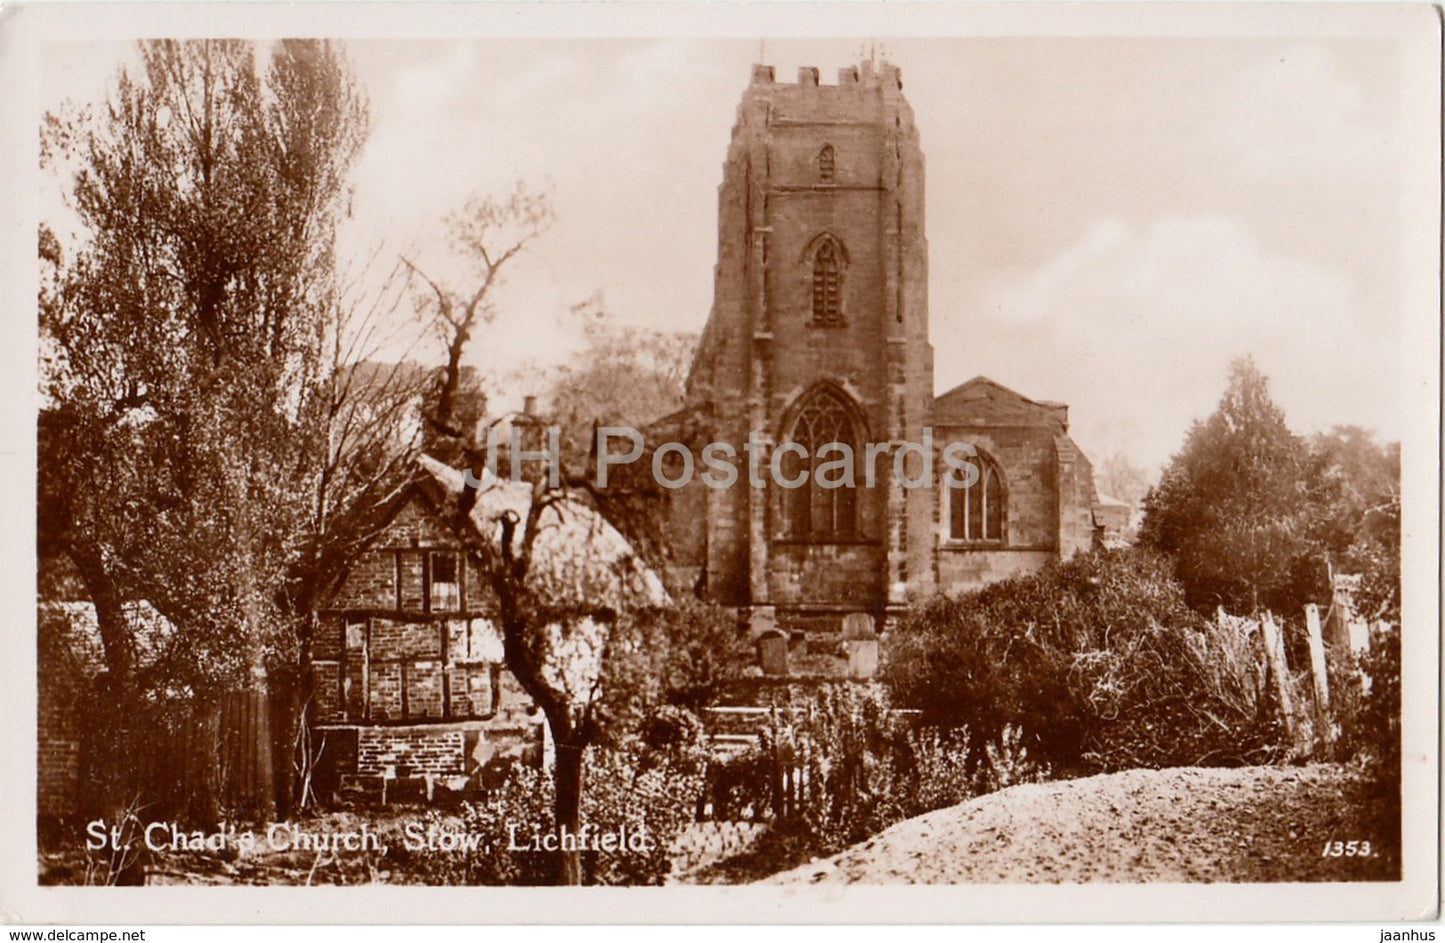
x=407 y=636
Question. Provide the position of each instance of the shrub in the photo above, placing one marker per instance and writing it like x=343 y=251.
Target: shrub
x=1096 y=663
x=642 y=789
x=740 y=788
x=1365 y=699
x=840 y=766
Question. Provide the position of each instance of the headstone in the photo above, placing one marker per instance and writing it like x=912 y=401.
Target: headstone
x=858 y=625
x=862 y=658
x=761 y=621
x=773 y=653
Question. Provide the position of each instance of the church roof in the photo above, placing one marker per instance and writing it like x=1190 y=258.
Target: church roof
x=985 y=402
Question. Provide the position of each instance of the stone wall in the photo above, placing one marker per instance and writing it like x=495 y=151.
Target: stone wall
x=762 y=350
x=1026 y=458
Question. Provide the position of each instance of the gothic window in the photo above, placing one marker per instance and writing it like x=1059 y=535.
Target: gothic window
x=826 y=163
x=978 y=511
x=827 y=283
x=814 y=510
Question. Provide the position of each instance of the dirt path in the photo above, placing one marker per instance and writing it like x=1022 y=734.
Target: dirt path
x=1252 y=824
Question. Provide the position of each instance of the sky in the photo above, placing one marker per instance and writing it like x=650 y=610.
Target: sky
x=1110 y=220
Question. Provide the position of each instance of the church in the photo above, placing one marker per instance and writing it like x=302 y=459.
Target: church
x=818 y=334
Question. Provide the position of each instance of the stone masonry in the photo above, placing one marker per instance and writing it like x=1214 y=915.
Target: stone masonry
x=820 y=322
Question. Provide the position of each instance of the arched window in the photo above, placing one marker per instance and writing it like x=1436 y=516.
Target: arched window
x=828 y=283
x=978 y=512
x=826 y=163
x=825 y=507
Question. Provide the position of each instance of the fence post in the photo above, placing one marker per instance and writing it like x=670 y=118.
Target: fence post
x=1320 y=672
x=1279 y=667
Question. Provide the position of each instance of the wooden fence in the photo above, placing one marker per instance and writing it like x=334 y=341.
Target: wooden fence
x=1310 y=716
x=197 y=761
x=781 y=777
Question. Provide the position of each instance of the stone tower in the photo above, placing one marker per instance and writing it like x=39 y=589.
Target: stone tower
x=819 y=333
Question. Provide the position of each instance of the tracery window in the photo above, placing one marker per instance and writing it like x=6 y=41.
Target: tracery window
x=978 y=511
x=825 y=507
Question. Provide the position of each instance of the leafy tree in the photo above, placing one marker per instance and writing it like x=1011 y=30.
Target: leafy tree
x=183 y=347
x=1119 y=477
x=625 y=375
x=1231 y=506
x=1354 y=519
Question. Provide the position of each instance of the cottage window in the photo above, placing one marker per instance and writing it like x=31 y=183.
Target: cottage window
x=355 y=631
x=828 y=283
x=444 y=582
x=815 y=511
x=978 y=511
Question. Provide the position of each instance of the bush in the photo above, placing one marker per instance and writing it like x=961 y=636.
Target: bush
x=1365 y=699
x=841 y=766
x=1096 y=663
x=644 y=789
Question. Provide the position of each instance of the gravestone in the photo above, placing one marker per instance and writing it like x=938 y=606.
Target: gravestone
x=773 y=653
x=860 y=641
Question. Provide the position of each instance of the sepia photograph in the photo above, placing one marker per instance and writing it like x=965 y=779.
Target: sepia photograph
x=808 y=448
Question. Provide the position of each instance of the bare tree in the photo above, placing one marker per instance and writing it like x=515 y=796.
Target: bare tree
x=488 y=233
x=561 y=576
x=567 y=586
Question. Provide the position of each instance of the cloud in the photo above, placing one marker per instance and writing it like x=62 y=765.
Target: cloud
x=1296 y=111
x=1136 y=325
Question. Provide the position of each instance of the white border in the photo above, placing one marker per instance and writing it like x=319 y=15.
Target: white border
x=24 y=30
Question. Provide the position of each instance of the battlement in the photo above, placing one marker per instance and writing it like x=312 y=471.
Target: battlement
x=862 y=76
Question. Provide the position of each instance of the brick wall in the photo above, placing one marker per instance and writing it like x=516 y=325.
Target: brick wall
x=448 y=749
x=410 y=751
x=370 y=584
x=67 y=660
x=57 y=760
x=401 y=551
x=343 y=682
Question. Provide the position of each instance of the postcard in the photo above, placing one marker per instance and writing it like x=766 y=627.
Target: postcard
x=718 y=463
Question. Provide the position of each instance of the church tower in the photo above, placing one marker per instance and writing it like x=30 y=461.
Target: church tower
x=819 y=334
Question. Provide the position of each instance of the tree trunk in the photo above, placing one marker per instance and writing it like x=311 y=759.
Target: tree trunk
x=261 y=761
x=115 y=634
x=567 y=808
